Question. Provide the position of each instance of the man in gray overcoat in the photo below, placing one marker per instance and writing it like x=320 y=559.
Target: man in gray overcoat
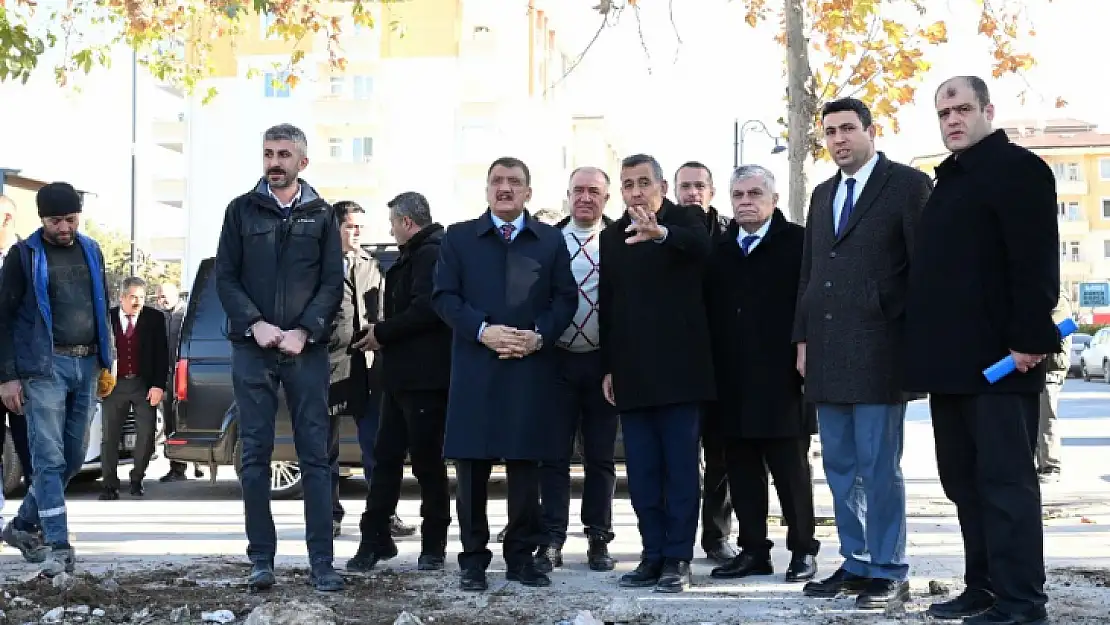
x=848 y=330
x=504 y=285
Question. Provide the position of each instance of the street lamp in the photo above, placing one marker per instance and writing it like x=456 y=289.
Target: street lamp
x=738 y=132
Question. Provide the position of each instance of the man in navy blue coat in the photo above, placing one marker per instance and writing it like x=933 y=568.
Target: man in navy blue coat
x=504 y=285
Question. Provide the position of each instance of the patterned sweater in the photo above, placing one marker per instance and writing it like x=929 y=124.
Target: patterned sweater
x=585 y=260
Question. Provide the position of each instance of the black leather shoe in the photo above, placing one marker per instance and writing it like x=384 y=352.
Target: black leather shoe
x=261 y=576
x=722 y=553
x=597 y=555
x=398 y=528
x=325 y=578
x=369 y=554
x=528 y=575
x=744 y=565
x=197 y=473
x=473 y=580
x=971 y=601
x=994 y=616
x=173 y=476
x=336 y=528
x=548 y=558
x=646 y=574
x=803 y=567
x=109 y=494
x=675 y=576
x=501 y=535
x=430 y=562
x=840 y=582
x=137 y=489
x=881 y=593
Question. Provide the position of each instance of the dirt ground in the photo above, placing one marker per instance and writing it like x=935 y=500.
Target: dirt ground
x=177 y=593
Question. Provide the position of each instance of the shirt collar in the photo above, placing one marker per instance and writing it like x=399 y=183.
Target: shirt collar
x=864 y=172
x=760 y=234
x=296 y=198
x=518 y=223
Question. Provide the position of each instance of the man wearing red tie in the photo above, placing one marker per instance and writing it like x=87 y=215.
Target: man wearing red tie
x=142 y=358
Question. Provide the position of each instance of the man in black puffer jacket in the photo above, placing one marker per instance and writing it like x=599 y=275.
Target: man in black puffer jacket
x=279 y=275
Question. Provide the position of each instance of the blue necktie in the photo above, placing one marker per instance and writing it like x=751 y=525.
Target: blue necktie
x=747 y=242
x=849 y=204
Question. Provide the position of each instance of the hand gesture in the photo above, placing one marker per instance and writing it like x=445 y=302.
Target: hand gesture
x=154 y=396
x=368 y=342
x=644 y=225
x=12 y=395
x=267 y=335
x=292 y=342
x=1025 y=362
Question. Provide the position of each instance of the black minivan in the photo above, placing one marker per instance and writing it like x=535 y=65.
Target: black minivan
x=206 y=425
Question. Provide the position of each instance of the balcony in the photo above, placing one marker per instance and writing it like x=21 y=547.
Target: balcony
x=169 y=133
x=1071 y=187
x=1074 y=269
x=1074 y=226
x=169 y=191
x=332 y=174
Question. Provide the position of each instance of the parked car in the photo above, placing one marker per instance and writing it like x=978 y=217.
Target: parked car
x=206 y=421
x=1079 y=342
x=1094 y=361
x=13 y=471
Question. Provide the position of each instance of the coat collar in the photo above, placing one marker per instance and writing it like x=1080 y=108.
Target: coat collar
x=606 y=221
x=875 y=183
x=778 y=224
x=976 y=155
x=485 y=224
x=426 y=233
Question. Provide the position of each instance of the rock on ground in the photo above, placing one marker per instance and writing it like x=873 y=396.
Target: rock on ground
x=291 y=613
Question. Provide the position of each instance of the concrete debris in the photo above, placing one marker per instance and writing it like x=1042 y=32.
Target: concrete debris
x=109 y=585
x=622 y=610
x=78 y=609
x=98 y=613
x=291 y=613
x=407 y=618
x=218 y=616
x=140 y=615
x=54 y=616
x=810 y=611
x=582 y=618
x=64 y=581
x=938 y=589
x=180 y=615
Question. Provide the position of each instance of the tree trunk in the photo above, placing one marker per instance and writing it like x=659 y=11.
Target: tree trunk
x=801 y=107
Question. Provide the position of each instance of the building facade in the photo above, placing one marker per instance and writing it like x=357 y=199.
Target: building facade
x=1079 y=155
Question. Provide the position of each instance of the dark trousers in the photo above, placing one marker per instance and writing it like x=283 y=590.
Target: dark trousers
x=337 y=511
x=17 y=424
x=985 y=457
x=716 y=505
x=114 y=410
x=581 y=408
x=411 y=422
x=524 y=532
x=367 y=426
x=661 y=454
x=749 y=460
x=256 y=375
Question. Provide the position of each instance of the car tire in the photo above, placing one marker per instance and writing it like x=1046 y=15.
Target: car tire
x=1083 y=373
x=285 y=477
x=13 y=471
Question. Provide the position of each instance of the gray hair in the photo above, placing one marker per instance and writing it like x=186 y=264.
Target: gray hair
x=745 y=172
x=412 y=205
x=591 y=169
x=287 y=132
x=640 y=159
x=132 y=283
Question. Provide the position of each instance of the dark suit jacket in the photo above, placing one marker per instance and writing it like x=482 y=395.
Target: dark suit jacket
x=750 y=301
x=502 y=409
x=986 y=274
x=352 y=377
x=852 y=291
x=651 y=316
x=154 y=353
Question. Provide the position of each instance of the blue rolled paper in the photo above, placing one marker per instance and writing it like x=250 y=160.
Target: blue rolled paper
x=1006 y=366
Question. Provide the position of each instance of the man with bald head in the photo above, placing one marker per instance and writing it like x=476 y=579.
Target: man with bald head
x=983 y=285
x=581 y=406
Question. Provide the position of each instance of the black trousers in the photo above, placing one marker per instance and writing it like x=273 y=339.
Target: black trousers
x=17 y=423
x=985 y=457
x=525 y=530
x=337 y=511
x=582 y=409
x=412 y=422
x=716 y=504
x=787 y=459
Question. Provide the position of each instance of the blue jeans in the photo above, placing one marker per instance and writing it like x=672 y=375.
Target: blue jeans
x=256 y=375
x=664 y=480
x=58 y=411
x=861 y=448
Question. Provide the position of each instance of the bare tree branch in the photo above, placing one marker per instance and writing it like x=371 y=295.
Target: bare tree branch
x=582 y=55
x=674 y=27
x=640 y=30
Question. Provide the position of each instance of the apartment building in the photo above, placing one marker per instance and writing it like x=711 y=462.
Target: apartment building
x=428 y=98
x=1079 y=155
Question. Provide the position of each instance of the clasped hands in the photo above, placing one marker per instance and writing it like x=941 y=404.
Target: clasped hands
x=268 y=335
x=510 y=342
x=1025 y=362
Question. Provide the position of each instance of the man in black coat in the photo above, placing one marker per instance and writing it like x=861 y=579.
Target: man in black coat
x=142 y=360
x=655 y=348
x=694 y=187
x=415 y=351
x=984 y=282
x=759 y=415
x=504 y=286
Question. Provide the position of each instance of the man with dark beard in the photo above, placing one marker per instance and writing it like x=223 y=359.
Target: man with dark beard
x=279 y=275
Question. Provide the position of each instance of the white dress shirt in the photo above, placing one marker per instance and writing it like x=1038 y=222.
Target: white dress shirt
x=762 y=232
x=861 y=178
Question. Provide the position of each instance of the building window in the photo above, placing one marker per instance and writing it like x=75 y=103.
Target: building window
x=267 y=21
x=364 y=87
x=335 y=85
x=1106 y=249
x=1106 y=208
x=1104 y=168
x=335 y=149
x=1068 y=172
x=275 y=85
x=1069 y=251
x=1069 y=211
x=362 y=149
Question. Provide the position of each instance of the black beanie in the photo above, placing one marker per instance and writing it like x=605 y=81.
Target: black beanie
x=58 y=199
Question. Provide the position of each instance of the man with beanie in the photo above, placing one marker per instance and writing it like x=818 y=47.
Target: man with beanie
x=53 y=297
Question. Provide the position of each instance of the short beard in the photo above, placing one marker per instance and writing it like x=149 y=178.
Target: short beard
x=51 y=239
